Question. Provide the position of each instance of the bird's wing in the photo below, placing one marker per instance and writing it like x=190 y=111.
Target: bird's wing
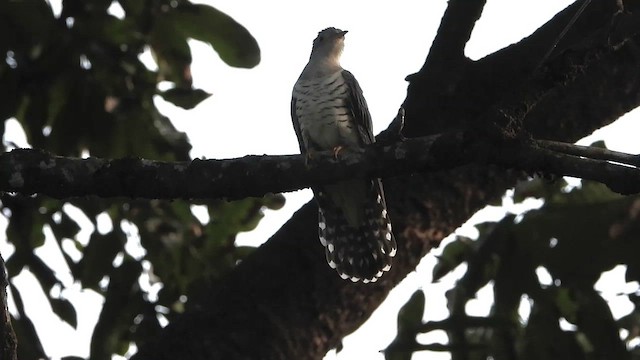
x=359 y=109
x=296 y=125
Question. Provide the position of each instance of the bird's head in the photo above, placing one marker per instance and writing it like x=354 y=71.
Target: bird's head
x=328 y=45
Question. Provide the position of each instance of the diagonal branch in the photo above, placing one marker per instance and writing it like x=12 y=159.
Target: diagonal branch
x=453 y=34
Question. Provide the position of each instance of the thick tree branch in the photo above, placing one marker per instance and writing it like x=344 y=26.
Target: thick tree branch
x=29 y=171
x=33 y=171
x=447 y=50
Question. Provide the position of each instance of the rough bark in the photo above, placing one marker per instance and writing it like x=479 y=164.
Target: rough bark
x=8 y=351
x=29 y=171
x=285 y=303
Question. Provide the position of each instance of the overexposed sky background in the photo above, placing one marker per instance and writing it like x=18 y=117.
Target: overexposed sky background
x=249 y=114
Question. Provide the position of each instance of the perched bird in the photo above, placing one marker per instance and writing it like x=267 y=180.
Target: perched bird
x=329 y=113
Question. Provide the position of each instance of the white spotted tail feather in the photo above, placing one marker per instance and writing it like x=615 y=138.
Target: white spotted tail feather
x=361 y=253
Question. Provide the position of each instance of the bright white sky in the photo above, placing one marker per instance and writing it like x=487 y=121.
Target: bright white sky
x=249 y=114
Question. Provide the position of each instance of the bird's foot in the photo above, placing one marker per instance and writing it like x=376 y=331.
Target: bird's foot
x=336 y=151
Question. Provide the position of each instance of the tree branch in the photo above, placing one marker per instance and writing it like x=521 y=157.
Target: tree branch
x=34 y=171
x=30 y=171
x=591 y=152
x=447 y=51
x=619 y=178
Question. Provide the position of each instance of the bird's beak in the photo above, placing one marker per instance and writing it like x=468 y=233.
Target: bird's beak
x=343 y=32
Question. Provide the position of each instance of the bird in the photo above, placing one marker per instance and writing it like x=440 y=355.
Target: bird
x=329 y=113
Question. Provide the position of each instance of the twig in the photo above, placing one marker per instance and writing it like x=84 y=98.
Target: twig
x=591 y=152
x=562 y=34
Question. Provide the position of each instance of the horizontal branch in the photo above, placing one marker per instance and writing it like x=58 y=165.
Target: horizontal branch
x=28 y=171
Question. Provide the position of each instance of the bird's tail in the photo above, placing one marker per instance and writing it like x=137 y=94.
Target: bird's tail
x=363 y=253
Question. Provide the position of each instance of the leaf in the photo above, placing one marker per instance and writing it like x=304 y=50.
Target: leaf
x=24 y=230
x=633 y=272
x=148 y=328
x=566 y=305
x=411 y=313
x=119 y=32
x=80 y=121
x=453 y=255
x=35 y=16
x=9 y=82
x=235 y=45
x=29 y=345
x=171 y=51
x=590 y=192
x=98 y=256
x=132 y=7
x=274 y=201
x=32 y=115
x=122 y=303
x=595 y=320
x=65 y=310
x=2 y=111
x=185 y=98
x=537 y=188
x=15 y=263
x=553 y=193
x=66 y=228
x=58 y=96
x=543 y=338
x=409 y=320
x=242 y=252
x=485 y=260
x=230 y=218
x=45 y=275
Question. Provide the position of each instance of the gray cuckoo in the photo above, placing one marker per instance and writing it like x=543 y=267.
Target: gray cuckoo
x=329 y=113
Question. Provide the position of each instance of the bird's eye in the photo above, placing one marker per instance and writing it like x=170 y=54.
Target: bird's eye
x=320 y=38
